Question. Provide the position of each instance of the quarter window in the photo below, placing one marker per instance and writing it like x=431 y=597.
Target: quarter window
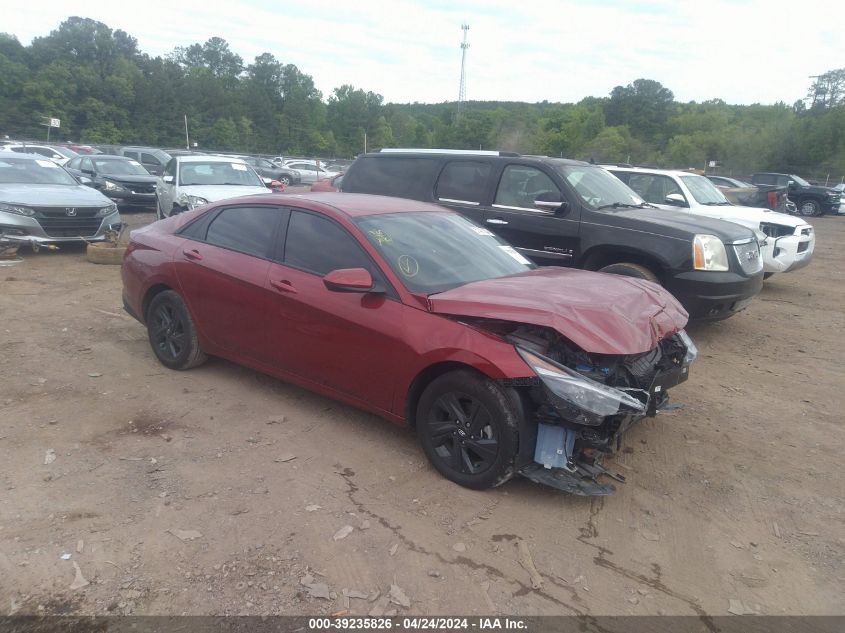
x=246 y=229
x=463 y=181
x=318 y=245
x=521 y=185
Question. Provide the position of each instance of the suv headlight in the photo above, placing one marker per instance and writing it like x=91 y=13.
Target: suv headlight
x=112 y=208
x=587 y=395
x=13 y=208
x=108 y=185
x=190 y=202
x=708 y=253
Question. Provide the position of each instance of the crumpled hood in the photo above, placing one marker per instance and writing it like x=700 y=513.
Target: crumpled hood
x=750 y=216
x=213 y=193
x=52 y=195
x=599 y=312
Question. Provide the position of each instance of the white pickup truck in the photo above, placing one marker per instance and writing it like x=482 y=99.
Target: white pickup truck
x=789 y=241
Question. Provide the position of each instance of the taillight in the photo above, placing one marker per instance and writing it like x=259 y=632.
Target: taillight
x=773 y=200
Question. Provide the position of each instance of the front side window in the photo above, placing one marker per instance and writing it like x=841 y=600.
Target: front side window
x=319 y=245
x=170 y=170
x=246 y=229
x=653 y=188
x=149 y=159
x=704 y=191
x=800 y=181
x=520 y=186
x=463 y=181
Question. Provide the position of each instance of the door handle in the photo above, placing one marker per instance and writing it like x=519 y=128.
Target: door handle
x=193 y=254
x=283 y=285
x=498 y=221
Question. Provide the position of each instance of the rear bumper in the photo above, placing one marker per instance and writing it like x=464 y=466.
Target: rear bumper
x=714 y=295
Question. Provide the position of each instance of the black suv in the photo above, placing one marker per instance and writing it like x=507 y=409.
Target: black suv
x=810 y=199
x=569 y=213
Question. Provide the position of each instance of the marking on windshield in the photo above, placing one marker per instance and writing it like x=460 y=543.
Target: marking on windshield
x=408 y=266
x=380 y=236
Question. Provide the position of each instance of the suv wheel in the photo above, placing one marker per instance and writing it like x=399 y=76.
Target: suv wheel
x=809 y=207
x=469 y=429
x=172 y=333
x=631 y=270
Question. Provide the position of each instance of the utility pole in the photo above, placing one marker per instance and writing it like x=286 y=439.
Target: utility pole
x=462 y=92
x=187 y=142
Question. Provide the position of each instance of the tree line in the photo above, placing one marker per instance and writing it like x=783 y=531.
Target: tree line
x=105 y=90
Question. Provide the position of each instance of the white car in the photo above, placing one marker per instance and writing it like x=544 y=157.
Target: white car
x=310 y=170
x=59 y=155
x=192 y=181
x=841 y=189
x=789 y=241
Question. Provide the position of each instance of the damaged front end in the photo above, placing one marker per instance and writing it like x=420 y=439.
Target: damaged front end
x=583 y=403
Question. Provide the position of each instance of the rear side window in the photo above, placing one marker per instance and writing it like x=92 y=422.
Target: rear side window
x=249 y=230
x=388 y=176
x=149 y=159
x=764 y=179
x=463 y=181
x=318 y=245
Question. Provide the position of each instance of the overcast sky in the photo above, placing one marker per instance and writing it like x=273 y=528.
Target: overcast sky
x=742 y=51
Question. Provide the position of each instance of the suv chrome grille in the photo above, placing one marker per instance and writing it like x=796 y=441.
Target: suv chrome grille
x=749 y=258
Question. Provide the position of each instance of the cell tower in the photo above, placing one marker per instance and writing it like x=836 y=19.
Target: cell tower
x=462 y=93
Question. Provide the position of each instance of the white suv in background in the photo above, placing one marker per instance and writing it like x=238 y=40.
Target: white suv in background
x=192 y=181
x=789 y=240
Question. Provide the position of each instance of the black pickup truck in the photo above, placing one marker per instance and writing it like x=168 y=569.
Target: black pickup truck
x=811 y=200
x=570 y=213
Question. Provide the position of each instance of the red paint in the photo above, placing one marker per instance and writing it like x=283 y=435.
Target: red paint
x=365 y=348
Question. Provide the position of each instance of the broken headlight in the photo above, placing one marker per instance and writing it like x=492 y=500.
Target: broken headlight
x=692 y=350
x=589 y=396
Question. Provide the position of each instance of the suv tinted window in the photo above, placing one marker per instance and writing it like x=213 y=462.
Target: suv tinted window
x=463 y=181
x=246 y=229
x=318 y=245
x=520 y=186
x=388 y=176
x=170 y=170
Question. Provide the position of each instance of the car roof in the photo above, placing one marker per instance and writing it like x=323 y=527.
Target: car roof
x=476 y=154
x=203 y=158
x=353 y=205
x=649 y=170
x=108 y=157
x=18 y=155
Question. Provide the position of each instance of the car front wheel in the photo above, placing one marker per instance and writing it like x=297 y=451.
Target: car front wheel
x=172 y=333
x=285 y=180
x=628 y=269
x=809 y=207
x=469 y=429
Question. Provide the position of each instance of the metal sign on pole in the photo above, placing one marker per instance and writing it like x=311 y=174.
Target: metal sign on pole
x=49 y=123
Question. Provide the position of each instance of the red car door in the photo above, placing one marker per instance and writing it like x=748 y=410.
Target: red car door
x=347 y=341
x=222 y=272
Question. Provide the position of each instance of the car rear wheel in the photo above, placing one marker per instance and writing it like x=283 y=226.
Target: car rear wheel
x=172 y=334
x=809 y=207
x=469 y=429
x=285 y=180
x=631 y=270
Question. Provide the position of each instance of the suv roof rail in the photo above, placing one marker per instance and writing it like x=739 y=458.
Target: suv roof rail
x=474 y=152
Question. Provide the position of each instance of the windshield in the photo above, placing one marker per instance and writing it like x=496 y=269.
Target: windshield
x=704 y=191
x=800 y=180
x=33 y=172
x=597 y=187
x=218 y=173
x=120 y=168
x=432 y=252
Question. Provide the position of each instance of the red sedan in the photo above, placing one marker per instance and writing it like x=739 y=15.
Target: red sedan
x=415 y=313
x=328 y=184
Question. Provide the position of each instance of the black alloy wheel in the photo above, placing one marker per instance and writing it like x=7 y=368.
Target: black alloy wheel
x=469 y=428
x=172 y=334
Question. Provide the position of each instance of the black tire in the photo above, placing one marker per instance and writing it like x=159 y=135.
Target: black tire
x=631 y=270
x=478 y=448
x=767 y=275
x=809 y=207
x=285 y=180
x=172 y=333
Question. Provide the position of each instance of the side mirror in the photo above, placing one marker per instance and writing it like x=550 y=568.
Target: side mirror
x=791 y=184
x=84 y=180
x=676 y=200
x=349 y=280
x=551 y=201
x=167 y=179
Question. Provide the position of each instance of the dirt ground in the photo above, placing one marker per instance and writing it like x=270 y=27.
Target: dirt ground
x=216 y=491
